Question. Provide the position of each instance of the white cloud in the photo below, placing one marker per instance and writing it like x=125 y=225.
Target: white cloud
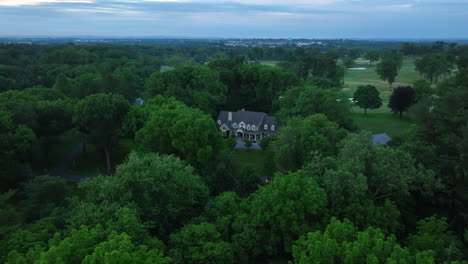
x=37 y=2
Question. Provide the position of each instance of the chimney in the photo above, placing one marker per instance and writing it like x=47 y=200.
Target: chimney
x=229 y=116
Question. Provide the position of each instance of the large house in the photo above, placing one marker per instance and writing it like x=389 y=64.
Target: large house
x=246 y=124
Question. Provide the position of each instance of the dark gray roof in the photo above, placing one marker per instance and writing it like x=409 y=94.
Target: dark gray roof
x=381 y=139
x=138 y=101
x=259 y=119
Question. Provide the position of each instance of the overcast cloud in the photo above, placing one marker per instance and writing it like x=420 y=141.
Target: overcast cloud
x=237 y=18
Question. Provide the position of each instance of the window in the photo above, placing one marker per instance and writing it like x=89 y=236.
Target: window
x=265 y=127
x=248 y=127
x=219 y=122
x=234 y=125
x=253 y=127
x=241 y=125
x=272 y=127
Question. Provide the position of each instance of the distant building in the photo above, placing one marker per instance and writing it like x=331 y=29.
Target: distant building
x=138 y=101
x=246 y=125
x=381 y=139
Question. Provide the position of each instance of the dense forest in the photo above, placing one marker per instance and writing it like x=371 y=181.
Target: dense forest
x=89 y=176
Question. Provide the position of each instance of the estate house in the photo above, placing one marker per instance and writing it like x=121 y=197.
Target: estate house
x=246 y=125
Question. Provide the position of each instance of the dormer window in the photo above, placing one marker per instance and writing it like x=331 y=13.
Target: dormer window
x=248 y=127
x=234 y=125
x=253 y=127
x=272 y=127
x=265 y=127
x=241 y=125
x=219 y=122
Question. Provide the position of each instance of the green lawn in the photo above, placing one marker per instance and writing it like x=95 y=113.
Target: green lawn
x=379 y=120
x=382 y=123
x=269 y=62
x=254 y=157
x=355 y=78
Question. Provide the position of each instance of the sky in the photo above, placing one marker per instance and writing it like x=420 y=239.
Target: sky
x=373 y=19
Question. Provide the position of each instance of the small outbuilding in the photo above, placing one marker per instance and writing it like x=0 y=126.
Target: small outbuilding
x=383 y=139
x=138 y=101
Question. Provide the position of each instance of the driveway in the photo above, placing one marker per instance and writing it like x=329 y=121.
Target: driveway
x=60 y=170
x=241 y=145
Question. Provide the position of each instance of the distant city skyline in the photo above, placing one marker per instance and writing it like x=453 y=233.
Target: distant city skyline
x=311 y=19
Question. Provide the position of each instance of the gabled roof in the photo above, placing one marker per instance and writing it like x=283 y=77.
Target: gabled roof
x=258 y=119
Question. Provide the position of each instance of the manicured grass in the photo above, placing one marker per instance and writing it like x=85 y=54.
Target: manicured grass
x=269 y=62
x=355 y=78
x=382 y=123
x=254 y=157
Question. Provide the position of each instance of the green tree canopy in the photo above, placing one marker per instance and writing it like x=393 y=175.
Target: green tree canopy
x=196 y=86
x=308 y=100
x=276 y=215
x=100 y=118
x=387 y=70
x=433 y=66
x=402 y=98
x=174 y=128
x=341 y=242
x=200 y=244
x=180 y=193
x=367 y=97
x=301 y=137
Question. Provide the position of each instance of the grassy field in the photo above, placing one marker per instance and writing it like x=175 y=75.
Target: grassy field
x=379 y=123
x=355 y=78
x=379 y=120
x=269 y=62
x=254 y=157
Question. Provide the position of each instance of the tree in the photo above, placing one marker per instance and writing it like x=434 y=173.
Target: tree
x=145 y=176
x=55 y=118
x=308 y=100
x=442 y=124
x=100 y=117
x=372 y=56
x=265 y=142
x=276 y=215
x=367 y=97
x=387 y=69
x=247 y=180
x=341 y=242
x=174 y=128
x=376 y=171
x=196 y=86
x=433 y=66
x=200 y=244
x=43 y=194
x=402 y=98
x=15 y=146
x=120 y=249
x=259 y=86
x=433 y=235
x=422 y=90
x=90 y=246
x=248 y=144
x=300 y=137
x=348 y=62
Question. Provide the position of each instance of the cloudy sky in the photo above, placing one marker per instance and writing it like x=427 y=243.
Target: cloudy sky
x=237 y=18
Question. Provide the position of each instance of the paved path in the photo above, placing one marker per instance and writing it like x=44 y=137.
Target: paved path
x=241 y=145
x=60 y=170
